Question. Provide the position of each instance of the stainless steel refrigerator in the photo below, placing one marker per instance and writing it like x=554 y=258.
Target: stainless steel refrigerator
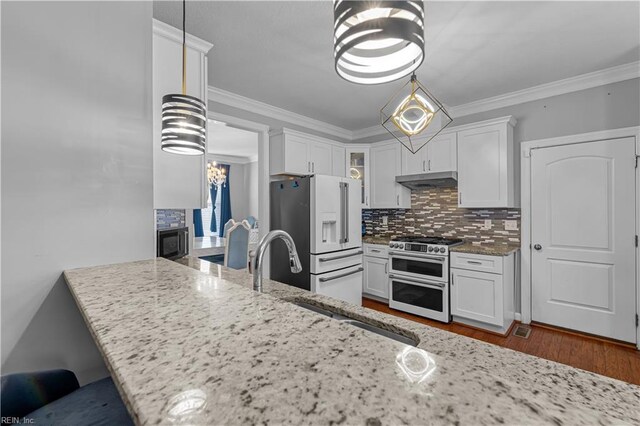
x=323 y=216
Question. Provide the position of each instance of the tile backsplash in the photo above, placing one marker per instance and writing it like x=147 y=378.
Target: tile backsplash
x=435 y=211
x=170 y=219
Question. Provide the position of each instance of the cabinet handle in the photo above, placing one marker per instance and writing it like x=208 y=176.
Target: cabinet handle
x=460 y=198
x=385 y=268
x=309 y=166
x=366 y=200
x=474 y=262
x=313 y=167
x=424 y=167
x=429 y=165
x=397 y=200
x=452 y=279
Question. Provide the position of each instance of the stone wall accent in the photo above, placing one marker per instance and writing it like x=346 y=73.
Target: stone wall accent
x=166 y=219
x=434 y=211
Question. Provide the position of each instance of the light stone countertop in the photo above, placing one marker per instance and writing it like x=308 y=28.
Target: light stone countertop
x=195 y=345
x=377 y=239
x=487 y=249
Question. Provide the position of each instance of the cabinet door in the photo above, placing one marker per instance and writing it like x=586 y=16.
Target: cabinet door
x=376 y=278
x=477 y=296
x=319 y=155
x=413 y=164
x=179 y=181
x=482 y=167
x=295 y=155
x=385 y=166
x=339 y=162
x=441 y=153
x=358 y=168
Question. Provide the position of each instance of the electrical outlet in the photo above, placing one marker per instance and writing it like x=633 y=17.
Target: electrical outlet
x=487 y=224
x=385 y=220
x=511 y=225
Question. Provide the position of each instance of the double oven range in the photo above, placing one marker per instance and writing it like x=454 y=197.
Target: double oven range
x=419 y=276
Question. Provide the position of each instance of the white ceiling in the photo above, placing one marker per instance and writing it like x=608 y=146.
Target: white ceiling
x=229 y=141
x=280 y=52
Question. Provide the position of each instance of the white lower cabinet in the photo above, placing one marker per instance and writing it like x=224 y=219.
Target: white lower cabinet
x=376 y=277
x=479 y=298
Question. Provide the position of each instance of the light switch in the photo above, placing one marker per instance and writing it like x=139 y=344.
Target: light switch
x=487 y=224
x=385 y=220
x=511 y=225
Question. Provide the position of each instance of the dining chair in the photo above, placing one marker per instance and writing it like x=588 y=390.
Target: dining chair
x=252 y=221
x=236 y=249
x=230 y=223
x=54 y=397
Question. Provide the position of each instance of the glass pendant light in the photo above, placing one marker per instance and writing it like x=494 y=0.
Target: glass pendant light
x=414 y=118
x=183 y=116
x=377 y=41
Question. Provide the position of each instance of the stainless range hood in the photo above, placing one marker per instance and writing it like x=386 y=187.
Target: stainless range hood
x=428 y=180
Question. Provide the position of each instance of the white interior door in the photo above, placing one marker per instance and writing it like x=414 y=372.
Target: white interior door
x=583 y=237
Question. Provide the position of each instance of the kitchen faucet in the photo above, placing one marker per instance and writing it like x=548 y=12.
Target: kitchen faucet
x=294 y=260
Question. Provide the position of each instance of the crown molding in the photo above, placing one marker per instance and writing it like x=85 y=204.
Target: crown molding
x=236 y=159
x=560 y=87
x=172 y=33
x=547 y=90
x=248 y=104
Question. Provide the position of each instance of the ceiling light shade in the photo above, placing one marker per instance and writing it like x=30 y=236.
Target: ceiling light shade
x=184 y=119
x=414 y=116
x=183 y=124
x=377 y=41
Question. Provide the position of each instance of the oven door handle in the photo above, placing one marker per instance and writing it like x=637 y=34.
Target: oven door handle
x=422 y=283
x=414 y=256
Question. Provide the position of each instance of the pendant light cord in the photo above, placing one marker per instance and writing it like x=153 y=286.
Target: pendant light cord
x=184 y=47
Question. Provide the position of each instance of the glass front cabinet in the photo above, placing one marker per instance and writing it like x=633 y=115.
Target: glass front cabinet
x=358 y=168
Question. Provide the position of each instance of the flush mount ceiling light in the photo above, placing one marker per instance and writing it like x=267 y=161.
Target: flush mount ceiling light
x=377 y=41
x=408 y=116
x=183 y=116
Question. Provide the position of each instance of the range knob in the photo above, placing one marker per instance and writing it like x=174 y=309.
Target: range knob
x=430 y=249
x=442 y=249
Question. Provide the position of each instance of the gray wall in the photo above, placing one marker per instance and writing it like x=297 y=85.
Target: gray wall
x=612 y=106
x=76 y=152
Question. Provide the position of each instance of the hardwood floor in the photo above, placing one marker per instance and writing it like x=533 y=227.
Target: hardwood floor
x=612 y=359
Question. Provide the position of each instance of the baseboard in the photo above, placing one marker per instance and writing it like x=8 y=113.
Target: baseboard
x=375 y=298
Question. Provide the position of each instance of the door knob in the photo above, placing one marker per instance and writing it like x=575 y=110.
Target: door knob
x=537 y=247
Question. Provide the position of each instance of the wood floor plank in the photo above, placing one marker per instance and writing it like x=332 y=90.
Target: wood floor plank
x=588 y=353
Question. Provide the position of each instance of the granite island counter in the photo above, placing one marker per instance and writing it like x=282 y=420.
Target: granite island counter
x=195 y=345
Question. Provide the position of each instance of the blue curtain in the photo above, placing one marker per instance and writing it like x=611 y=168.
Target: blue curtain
x=197 y=223
x=213 y=190
x=225 y=201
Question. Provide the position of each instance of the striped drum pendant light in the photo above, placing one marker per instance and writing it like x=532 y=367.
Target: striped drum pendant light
x=377 y=41
x=184 y=117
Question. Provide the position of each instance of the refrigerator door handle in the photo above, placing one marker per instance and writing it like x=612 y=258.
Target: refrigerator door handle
x=346 y=212
x=342 y=210
x=346 y=274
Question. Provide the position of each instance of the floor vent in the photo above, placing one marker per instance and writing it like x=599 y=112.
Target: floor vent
x=522 y=331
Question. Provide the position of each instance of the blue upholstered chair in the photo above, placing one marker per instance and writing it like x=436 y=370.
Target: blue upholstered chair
x=236 y=249
x=55 y=398
x=252 y=221
x=228 y=226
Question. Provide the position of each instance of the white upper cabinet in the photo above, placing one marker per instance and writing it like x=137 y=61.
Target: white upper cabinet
x=320 y=158
x=179 y=181
x=339 y=161
x=385 y=166
x=299 y=154
x=486 y=165
x=442 y=153
x=358 y=168
x=439 y=155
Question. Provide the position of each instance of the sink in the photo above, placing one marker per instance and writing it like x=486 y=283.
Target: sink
x=356 y=323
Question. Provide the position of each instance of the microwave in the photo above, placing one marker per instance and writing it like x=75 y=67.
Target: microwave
x=172 y=243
